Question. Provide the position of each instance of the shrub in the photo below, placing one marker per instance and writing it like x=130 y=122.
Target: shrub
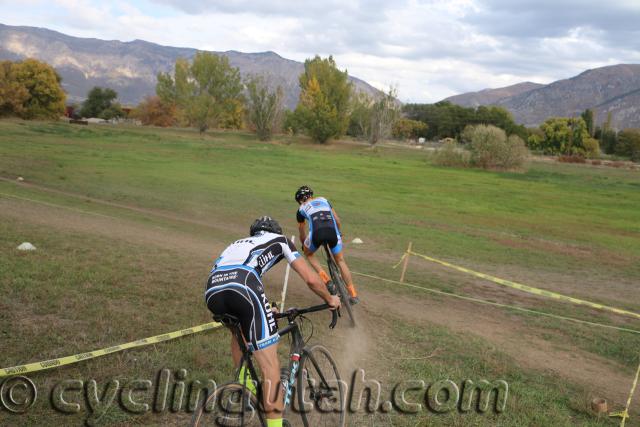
x=572 y=158
x=153 y=111
x=591 y=148
x=491 y=149
x=452 y=156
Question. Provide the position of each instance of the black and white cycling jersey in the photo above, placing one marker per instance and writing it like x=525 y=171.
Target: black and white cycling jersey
x=234 y=285
x=259 y=252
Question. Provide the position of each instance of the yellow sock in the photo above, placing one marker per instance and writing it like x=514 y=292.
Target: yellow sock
x=245 y=375
x=274 y=422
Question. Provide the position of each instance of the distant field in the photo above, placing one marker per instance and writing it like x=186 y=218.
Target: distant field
x=128 y=220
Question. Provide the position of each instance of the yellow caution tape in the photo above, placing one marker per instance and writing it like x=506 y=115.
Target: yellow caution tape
x=497 y=304
x=625 y=414
x=69 y=360
x=529 y=289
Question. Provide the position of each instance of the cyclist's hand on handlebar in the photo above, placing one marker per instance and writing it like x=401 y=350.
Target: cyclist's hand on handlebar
x=334 y=302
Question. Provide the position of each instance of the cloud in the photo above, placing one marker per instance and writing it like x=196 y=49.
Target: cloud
x=428 y=49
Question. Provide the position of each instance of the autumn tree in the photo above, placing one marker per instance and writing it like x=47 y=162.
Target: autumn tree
x=13 y=95
x=319 y=118
x=153 y=111
x=207 y=92
x=409 y=129
x=264 y=107
x=30 y=89
x=324 y=99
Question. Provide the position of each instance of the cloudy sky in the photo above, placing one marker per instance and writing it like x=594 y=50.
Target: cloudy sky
x=428 y=49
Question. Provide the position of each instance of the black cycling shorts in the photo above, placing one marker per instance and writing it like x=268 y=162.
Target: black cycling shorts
x=320 y=236
x=238 y=291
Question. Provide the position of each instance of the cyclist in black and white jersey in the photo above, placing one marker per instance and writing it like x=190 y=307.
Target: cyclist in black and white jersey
x=235 y=287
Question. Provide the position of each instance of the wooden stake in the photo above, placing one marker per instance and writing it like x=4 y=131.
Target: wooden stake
x=286 y=282
x=406 y=262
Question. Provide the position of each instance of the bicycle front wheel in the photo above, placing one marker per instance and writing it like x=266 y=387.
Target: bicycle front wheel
x=336 y=276
x=321 y=393
x=230 y=405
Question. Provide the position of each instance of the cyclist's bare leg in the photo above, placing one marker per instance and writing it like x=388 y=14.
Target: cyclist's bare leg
x=316 y=265
x=346 y=274
x=270 y=366
x=236 y=353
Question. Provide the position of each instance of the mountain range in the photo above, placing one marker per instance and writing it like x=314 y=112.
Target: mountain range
x=612 y=89
x=130 y=68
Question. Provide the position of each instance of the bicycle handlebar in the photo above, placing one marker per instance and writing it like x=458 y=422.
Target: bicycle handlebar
x=292 y=313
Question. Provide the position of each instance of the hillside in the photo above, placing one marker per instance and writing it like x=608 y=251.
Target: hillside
x=613 y=89
x=131 y=67
x=491 y=96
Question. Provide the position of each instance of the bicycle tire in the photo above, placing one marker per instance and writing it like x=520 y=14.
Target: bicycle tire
x=220 y=415
x=318 y=386
x=336 y=276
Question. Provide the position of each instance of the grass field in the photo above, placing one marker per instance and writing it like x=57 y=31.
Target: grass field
x=127 y=221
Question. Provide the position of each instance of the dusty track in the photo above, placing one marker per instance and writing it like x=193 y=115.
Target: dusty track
x=507 y=333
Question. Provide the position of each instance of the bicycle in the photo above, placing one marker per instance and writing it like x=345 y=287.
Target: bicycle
x=318 y=390
x=341 y=287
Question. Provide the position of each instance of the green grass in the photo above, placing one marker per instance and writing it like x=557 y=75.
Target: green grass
x=82 y=291
x=462 y=214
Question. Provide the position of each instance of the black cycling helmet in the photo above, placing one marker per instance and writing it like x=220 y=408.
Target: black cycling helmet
x=303 y=193
x=265 y=223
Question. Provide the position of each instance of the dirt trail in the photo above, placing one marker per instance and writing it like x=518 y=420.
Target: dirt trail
x=600 y=376
x=509 y=334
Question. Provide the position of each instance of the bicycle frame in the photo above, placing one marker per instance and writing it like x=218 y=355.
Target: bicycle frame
x=297 y=348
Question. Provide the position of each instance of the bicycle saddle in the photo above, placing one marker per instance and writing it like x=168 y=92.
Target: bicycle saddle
x=226 y=319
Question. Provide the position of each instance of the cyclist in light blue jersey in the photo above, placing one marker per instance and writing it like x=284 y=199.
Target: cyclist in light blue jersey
x=322 y=226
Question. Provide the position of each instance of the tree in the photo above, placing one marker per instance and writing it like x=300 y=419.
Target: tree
x=447 y=120
x=608 y=136
x=384 y=112
x=587 y=116
x=207 y=91
x=324 y=99
x=13 y=95
x=101 y=103
x=360 y=117
x=373 y=118
x=629 y=144
x=318 y=116
x=564 y=136
x=409 y=129
x=153 y=111
x=264 y=107
x=30 y=89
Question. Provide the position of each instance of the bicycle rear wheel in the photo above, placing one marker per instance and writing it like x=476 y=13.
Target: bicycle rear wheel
x=336 y=276
x=230 y=405
x=321 y=393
